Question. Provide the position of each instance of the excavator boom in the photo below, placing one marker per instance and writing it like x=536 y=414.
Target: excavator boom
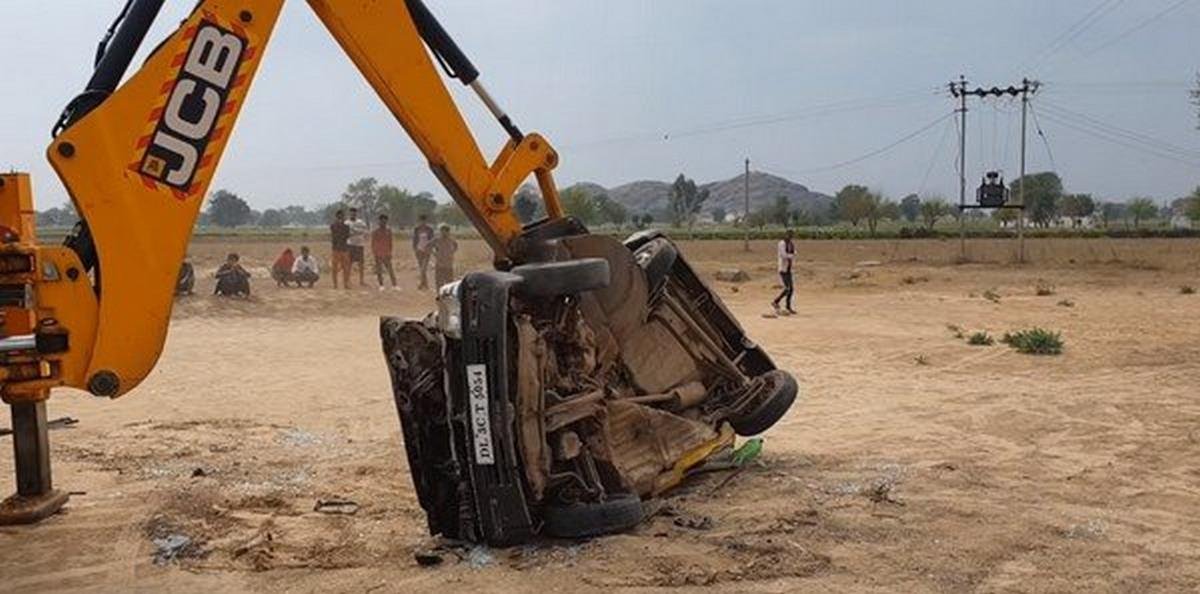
x=137 y=159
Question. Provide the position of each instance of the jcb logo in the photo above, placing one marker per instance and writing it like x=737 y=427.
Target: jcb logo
x=197 y=99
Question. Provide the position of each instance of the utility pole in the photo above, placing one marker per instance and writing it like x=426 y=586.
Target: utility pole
x=746 y=209
x=959 y=90
x=1028 y=87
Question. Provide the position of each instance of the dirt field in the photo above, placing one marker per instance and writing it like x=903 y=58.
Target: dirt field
x=913 y=462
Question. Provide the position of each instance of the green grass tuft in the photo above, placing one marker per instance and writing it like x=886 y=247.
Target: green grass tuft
x=1035 y=341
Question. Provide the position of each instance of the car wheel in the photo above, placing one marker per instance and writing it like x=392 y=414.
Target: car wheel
x=775 y=396
x=584 y=520
x=552 y=279
x=656 y=258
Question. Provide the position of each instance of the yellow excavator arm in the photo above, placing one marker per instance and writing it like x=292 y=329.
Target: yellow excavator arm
x=137 y=159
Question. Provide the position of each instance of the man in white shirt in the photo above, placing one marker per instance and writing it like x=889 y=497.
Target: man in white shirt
x=786 y=253
x=305 y=268
x=357 y=241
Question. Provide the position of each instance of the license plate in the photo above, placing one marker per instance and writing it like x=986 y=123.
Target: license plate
x=481 y=421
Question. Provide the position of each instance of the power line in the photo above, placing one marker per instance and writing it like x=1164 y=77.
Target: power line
x=936 y=152
x=1113 y=139
x=1045 y=141
x=1130 y=135
x=876 y=152
x=1146 y=22
x=1083 y=24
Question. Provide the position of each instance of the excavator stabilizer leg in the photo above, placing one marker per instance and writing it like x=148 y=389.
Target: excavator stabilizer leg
x=36 y=497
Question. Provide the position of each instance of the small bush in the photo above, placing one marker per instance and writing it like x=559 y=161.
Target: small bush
x=912 y=280
x=1187 y=290
x=1066 y=303
x=1035 y=341
x=1044 y=289
x=981 y=339
x=922 y=360
x=991 y=295
x=956 y=330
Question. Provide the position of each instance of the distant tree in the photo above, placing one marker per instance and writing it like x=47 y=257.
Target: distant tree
x=577 y=203
x=643 y=220
x=1192 y=208
x=326 y=212
x=1141 y=209
x=910 y=207
x=685 y=201
x=1110 y=212
x=719 y=215
x=780 y=213
x=803 y=218
x=933 y=209
x=610 y=211
x=758 y=219
x=227 y=209
x=402 y=206
x=528 y=205
x=451 y=214
x=1076 y=207
x=272 y=218
x=889 y=210
x=873 y=206
x=852 y=203
x=1042 y=193
x=364 y=195
x=295 y=215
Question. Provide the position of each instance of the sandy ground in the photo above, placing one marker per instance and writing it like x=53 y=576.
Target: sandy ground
x=913 y=463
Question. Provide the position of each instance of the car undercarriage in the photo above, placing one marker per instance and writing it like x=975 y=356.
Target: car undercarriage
x=552 y=398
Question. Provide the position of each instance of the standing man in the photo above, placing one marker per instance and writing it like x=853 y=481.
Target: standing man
x=422 y=244
x=381 y=250
x=786 y=254
x=444 y=248
x=339 y=235
x=357 y=241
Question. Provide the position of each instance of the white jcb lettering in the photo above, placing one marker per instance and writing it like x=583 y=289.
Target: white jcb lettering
x=214 y=56
x=181 y=125
x=187 y=154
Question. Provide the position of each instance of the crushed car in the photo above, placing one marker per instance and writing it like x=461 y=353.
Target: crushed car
x=552 y=398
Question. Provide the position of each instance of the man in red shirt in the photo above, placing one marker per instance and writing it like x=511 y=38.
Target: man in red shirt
x=381 y=249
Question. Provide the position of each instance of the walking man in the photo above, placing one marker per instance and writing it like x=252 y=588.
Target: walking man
x=786 y=255
x=381 y=251
x=357 y=242
x=422 y=244
x=339 y=235
x=444 y=248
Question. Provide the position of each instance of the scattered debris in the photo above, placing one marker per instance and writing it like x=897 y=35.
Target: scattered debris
x=912 y=280
x=1044 y=289
x=868 y=264
x=479 y=557
x=199 y=472
x=881 y=490
x=170 y=547
x=732 y=275
x=694 y=522
x=428 y=558
x=991 y=295
x=336 y=506
x=58 y=423
x=1066 y=303
x=921 y=360
x=1187 y=290
x=981 y=338
x=956 y=330
x=1088 y=530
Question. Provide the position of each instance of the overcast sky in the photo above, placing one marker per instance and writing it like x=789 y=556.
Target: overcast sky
x=636 y=89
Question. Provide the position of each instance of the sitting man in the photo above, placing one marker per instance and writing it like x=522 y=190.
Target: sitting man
x=305 y=269
x=187 y=279
x=281 y=270
x=232 y=279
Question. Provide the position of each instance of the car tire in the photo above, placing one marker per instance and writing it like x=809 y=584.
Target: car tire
x=656 y=259
x=773 y=401
x=585 y=520
x=553 y=279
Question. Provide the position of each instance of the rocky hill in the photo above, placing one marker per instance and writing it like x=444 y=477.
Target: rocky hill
x=648 y=196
